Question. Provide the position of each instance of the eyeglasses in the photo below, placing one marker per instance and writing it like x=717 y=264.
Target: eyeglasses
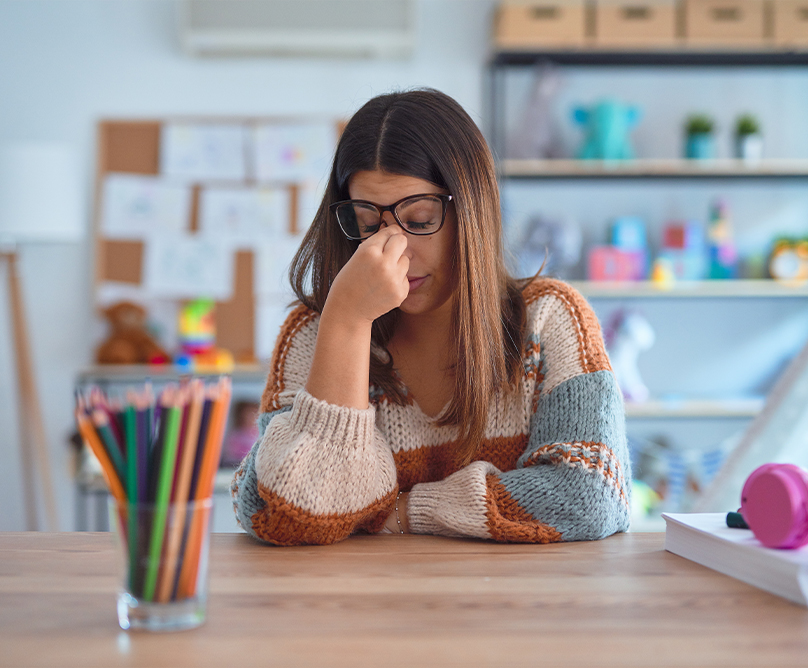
x=417 y=214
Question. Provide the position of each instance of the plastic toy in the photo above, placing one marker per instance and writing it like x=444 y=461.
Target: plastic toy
x=684 y=248
x=537 y=136
x=197 y=336
x=723 y=256
x=554 y=243
x=628 y=234
x=627 y=335
x=607 y=125
x=607 y=263
x=774 y=503
x=789 y=261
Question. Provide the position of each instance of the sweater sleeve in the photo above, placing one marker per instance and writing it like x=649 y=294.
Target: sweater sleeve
x=318 y=471
x=571 y=481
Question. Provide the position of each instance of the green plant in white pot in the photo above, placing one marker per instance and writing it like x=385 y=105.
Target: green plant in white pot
x=699 y=141
x=748 y=139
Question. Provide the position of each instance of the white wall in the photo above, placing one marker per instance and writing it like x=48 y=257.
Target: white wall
x=65 y=64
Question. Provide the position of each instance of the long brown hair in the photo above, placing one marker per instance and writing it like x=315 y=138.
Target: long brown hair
x=426 y=134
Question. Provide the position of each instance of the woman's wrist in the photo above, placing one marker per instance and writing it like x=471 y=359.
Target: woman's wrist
x=397 y=521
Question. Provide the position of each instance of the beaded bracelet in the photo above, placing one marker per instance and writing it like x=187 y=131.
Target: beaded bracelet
x=400 y=528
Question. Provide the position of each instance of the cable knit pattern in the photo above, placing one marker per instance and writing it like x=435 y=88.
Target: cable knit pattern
x=553 y=464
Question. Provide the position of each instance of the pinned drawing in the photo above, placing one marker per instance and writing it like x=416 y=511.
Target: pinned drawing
x=246 y=215
x=185 y=266
x=201 y=151
x=139 y=207
x=294 y=152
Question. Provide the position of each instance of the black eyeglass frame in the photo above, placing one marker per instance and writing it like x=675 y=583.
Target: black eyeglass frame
x=444 y=198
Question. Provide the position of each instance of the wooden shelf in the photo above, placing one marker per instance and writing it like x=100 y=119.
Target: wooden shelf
x=673 y=168
x=652 y=58
x=739 y=288
x=695 y=408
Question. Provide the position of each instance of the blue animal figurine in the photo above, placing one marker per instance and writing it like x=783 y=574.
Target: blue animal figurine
x=607 y=125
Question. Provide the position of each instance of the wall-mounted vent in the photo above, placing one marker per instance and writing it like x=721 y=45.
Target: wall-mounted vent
x=347 y=28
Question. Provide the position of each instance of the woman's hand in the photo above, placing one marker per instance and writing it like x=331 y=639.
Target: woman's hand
x=373 y=281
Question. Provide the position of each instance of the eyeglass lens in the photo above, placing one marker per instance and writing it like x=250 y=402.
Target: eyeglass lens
x=418 y=215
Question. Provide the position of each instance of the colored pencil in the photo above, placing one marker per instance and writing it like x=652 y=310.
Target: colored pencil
x=100 y=420
x=184 y=473
x=166 y=477
x=107 y=468
x=204 y=488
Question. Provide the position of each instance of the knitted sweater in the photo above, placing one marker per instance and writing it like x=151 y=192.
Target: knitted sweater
x=553 y=465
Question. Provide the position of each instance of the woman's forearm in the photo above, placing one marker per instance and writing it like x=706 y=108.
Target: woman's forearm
x=341 y=365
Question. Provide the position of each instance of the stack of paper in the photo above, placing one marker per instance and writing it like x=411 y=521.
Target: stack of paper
x=706 y=539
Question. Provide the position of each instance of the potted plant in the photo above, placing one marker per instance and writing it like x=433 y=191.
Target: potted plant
x=699 y=141
x=748 y=139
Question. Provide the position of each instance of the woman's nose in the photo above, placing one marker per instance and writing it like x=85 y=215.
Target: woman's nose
x=387 y=219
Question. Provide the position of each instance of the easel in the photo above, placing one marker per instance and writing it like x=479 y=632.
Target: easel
x=32 y=431
x=778 y=434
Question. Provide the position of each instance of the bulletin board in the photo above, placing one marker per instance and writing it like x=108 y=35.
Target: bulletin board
x=132 y=149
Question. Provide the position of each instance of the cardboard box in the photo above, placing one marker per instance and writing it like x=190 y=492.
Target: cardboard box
x=636 y=23
x=725 y=23
x=536 y=24
x=790 y=23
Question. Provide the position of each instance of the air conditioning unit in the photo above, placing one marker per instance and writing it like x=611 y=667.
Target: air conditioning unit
x=346 y=28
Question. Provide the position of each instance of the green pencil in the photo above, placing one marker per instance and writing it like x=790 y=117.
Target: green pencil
x=130 y=434
x=101 y=422
x=165 y=480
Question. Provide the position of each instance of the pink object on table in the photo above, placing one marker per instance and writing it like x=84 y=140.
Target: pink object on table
x=774 y=503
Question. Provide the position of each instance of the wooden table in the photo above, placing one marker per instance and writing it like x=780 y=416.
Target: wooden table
x=401 y=601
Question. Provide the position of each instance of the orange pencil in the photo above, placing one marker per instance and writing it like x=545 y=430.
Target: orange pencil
x=91 y=438
x=204 y=488
x=186 y=468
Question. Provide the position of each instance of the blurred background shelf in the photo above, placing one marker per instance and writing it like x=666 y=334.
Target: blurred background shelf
x=695 y=408
x=672 y=168
x=683 y=57
x=106 y=374
x=736 y=288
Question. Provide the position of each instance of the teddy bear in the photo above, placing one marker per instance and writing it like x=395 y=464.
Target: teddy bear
x=129 y=341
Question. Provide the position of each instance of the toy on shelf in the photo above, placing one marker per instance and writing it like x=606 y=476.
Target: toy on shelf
x=789 y=261
x=537 y=136
x=607 y=125
x=723 y=256
x=553 y=245
x=197 y=335
x=626 y=259
x=684 y=248
x=627 y=335
x=129 y=341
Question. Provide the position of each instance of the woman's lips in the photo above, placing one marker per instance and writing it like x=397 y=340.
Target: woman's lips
x=416 y=282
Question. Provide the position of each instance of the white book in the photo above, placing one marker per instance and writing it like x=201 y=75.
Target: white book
x=706 y=539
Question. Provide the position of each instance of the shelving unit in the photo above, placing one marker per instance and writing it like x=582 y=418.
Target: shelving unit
x=692 y=413
x=739 y=288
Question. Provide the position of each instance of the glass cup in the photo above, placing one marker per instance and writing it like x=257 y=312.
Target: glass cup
x=163 y=559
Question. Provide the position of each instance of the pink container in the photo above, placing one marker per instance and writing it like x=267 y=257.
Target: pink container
x=774 y=503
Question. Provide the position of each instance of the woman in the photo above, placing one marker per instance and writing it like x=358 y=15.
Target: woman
x=419 y=388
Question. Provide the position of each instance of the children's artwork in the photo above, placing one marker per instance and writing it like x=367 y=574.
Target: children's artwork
x=137 y=207
x=272 y=261
x=202 y=151
x=184 y=266
x=294 y=151
x=246 y=215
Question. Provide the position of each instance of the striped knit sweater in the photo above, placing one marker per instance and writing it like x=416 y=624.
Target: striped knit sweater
x=553 y=465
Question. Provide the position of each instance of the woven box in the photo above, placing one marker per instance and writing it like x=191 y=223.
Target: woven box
x=725 y=23
x=532 y=24
x=790 y=23
x=636 y=23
